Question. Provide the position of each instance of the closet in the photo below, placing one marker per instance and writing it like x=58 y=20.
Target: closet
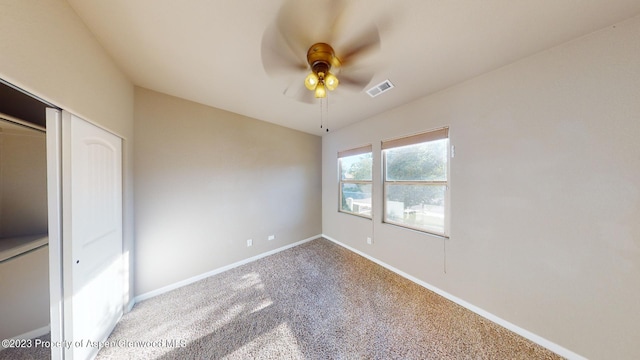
x=24 y=254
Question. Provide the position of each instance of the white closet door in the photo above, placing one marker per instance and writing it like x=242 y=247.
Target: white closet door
x=92 y=234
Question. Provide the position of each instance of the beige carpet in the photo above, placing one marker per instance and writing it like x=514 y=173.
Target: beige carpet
x=33 y=353
x=315 y=301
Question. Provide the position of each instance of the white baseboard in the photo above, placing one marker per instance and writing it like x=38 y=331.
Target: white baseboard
x=191 y=280
x=566 y=353
x=31 y=334
x=129 y=305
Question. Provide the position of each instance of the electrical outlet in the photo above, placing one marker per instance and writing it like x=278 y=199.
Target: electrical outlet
x=369 y=240
x=249 y=242
x=271 y=237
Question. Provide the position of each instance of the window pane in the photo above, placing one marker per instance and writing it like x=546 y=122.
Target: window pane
x=419 y=162
x=356 y=167
x=417 y=206
x=356 y=198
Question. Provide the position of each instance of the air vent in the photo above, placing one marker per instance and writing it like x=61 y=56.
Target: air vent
x=380 y=88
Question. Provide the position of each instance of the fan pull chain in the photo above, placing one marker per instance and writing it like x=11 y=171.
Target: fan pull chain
x=321 y=121
x=324 y=110
x=326 y=104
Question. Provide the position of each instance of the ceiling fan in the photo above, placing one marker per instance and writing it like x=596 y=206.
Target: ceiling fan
x=335 y=41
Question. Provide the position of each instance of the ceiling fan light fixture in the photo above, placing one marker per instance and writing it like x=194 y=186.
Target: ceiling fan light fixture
x=331 y=81
x=320 y=92
x=320 y=58
x=311 y=81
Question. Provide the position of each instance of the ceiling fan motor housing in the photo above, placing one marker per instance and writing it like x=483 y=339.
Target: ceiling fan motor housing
x=321 y=57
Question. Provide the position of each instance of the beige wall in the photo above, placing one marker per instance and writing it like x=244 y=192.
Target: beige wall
x=545 y=191
x=48 y=51
x=23 y=182
x=207 y=180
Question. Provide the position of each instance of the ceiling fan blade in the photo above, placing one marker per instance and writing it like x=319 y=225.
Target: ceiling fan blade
x=297 y=91
x=306 y=22
x=292 y=23
x=334 y=20
x=364 y=44
x=355 y=82
x=307 y=97
x=277 y=57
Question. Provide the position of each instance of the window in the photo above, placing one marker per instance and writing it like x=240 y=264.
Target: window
x=355 y=181
x=416 y=181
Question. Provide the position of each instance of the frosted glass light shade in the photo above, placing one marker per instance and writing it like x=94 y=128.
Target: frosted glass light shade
x=320 y=91
x=331 y=81
x=311 y=81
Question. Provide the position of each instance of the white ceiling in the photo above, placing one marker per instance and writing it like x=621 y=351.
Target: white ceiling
x=209 y=51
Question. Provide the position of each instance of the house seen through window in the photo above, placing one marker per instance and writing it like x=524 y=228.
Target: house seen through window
x=355 y=181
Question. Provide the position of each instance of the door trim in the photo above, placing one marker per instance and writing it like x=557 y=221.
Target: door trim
x=54 y=200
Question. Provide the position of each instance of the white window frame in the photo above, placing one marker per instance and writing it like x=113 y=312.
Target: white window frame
x=432 y=135
x=367 y=149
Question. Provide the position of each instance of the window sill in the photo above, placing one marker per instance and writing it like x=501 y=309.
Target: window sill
x=420 y=231
x=354 y=214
